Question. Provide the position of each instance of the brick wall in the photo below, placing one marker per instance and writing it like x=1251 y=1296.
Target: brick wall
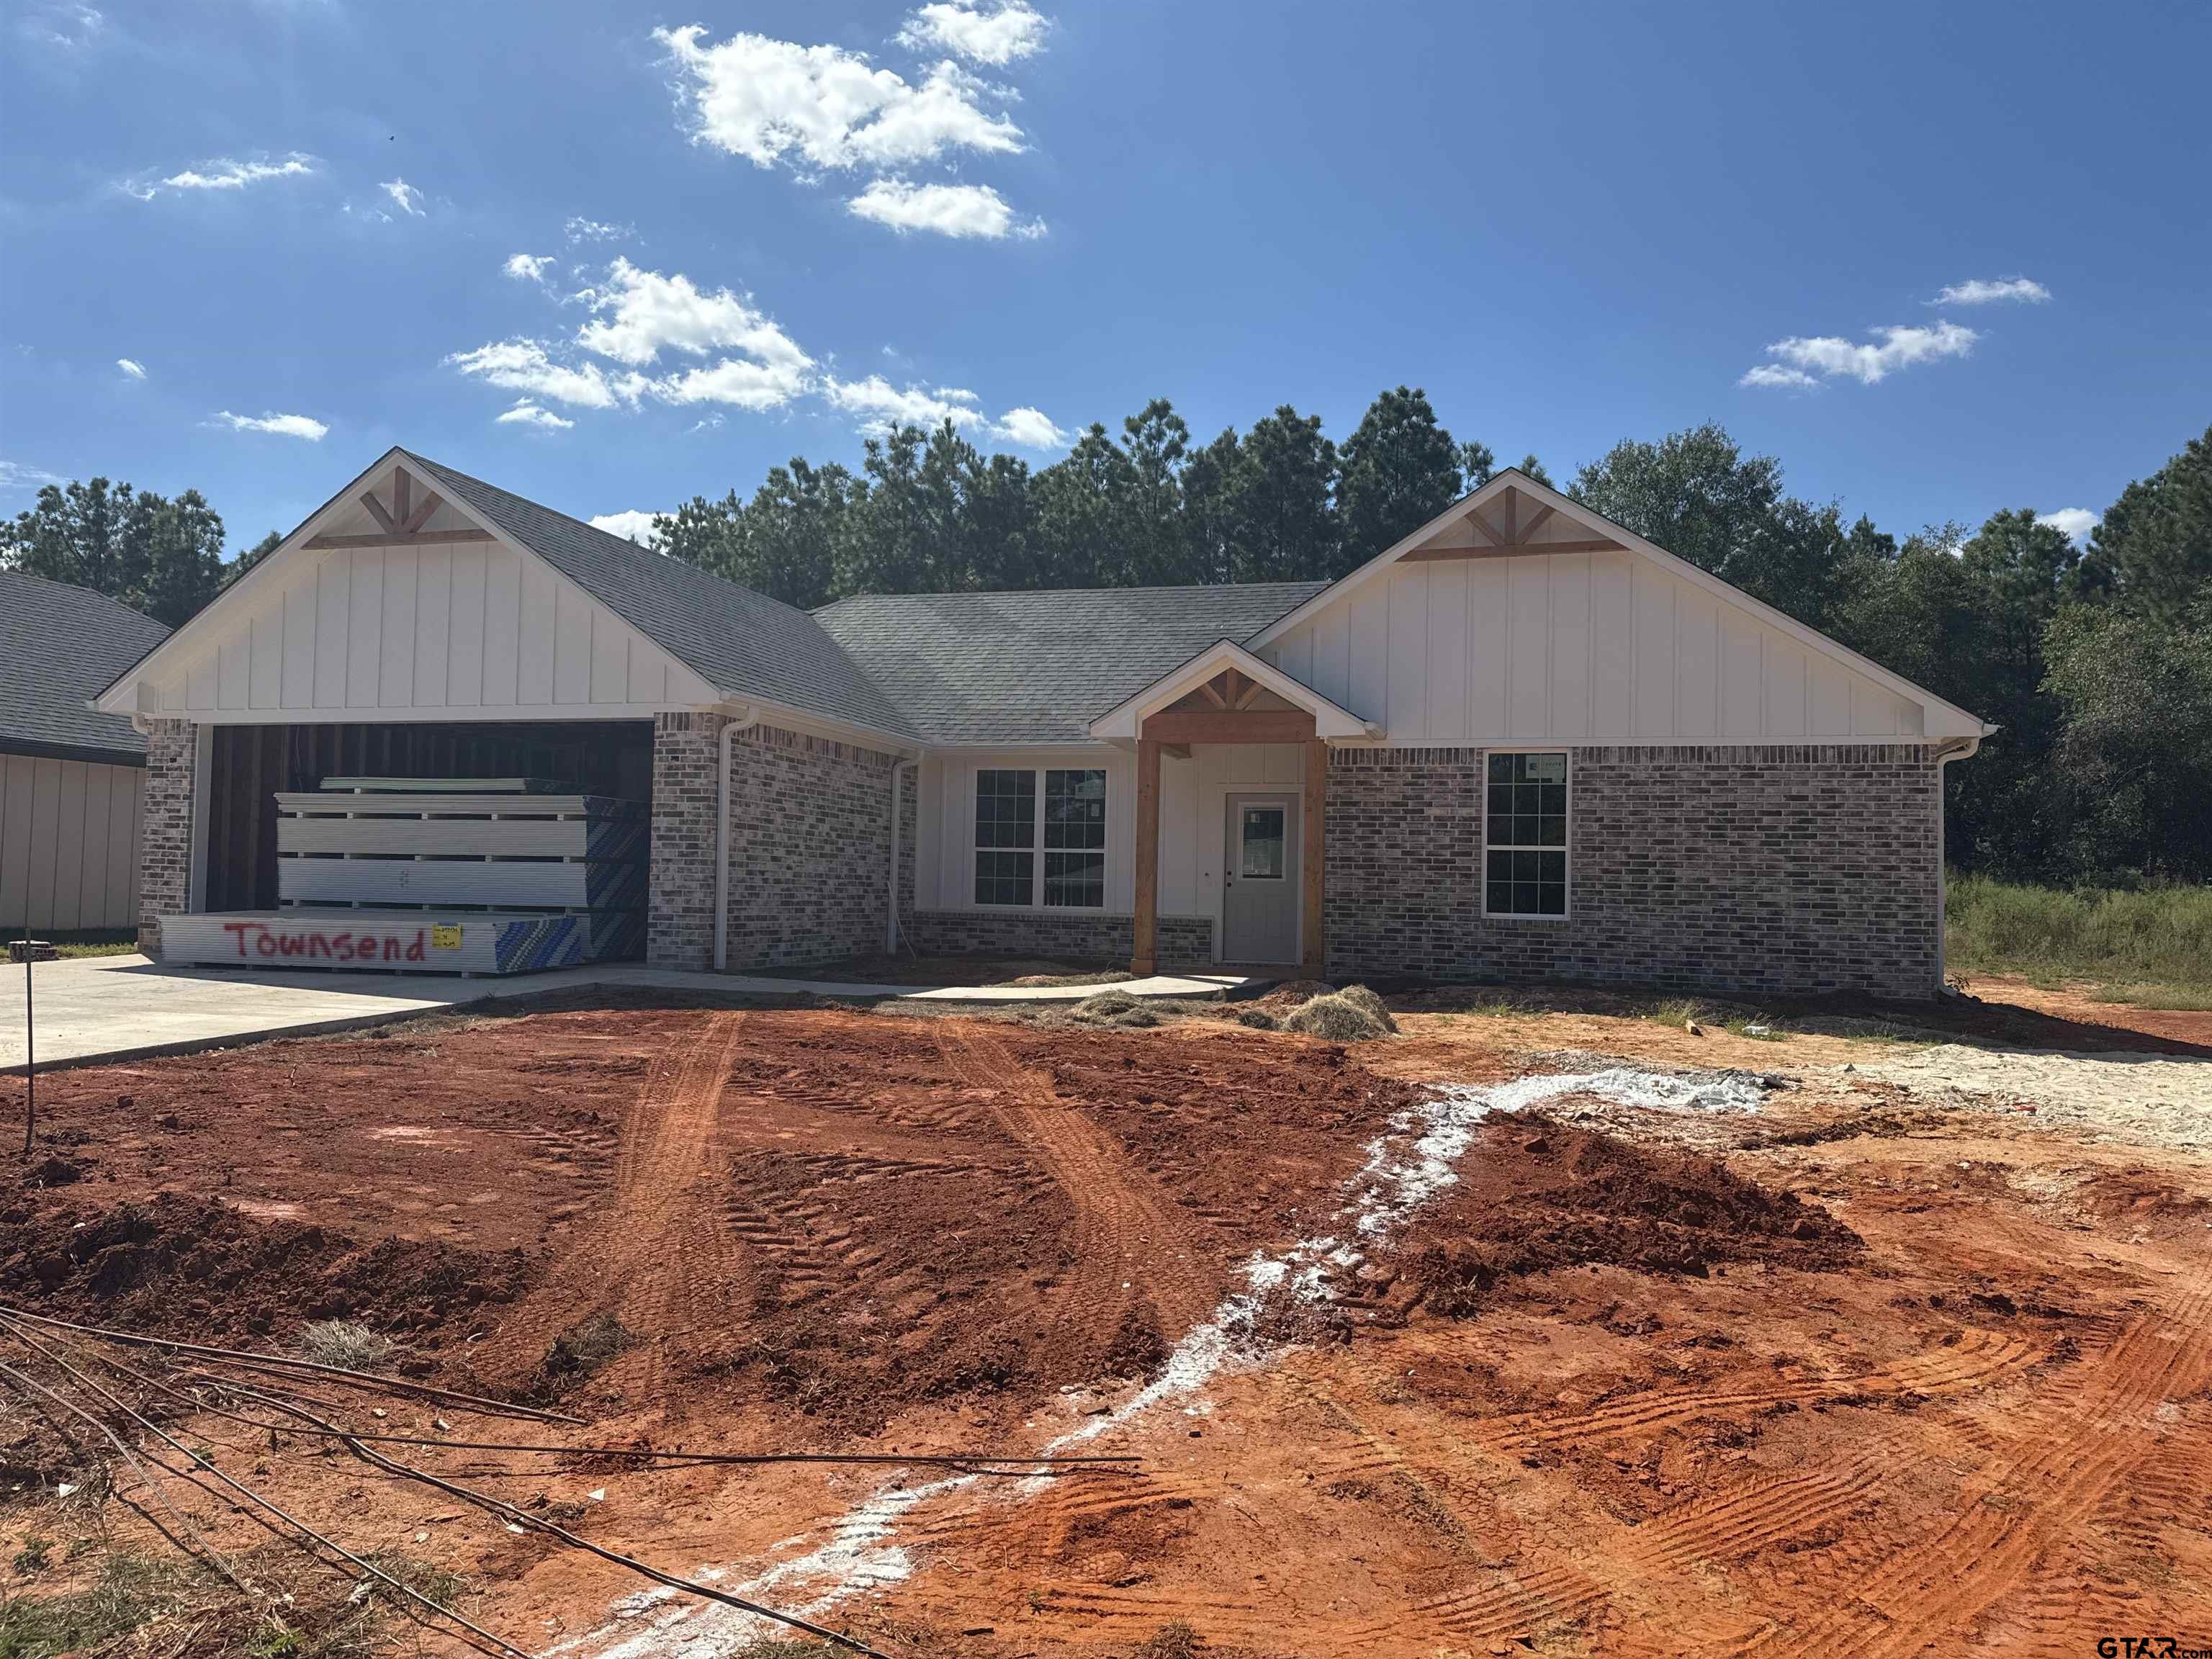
x=1064 y=935
x=164 y=840
x=1797 y=869
x=679 y=919
x=810 y=847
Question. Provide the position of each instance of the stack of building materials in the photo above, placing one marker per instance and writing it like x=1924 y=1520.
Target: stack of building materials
x=467 y=875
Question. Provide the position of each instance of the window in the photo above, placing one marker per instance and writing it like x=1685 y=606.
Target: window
x=1075 y=839
x=1262 y=843
x=1006 y=831
x=1065 y=819
x=1525 y=843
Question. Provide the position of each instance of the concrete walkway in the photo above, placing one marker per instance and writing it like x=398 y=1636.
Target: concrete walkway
x=116 y=1008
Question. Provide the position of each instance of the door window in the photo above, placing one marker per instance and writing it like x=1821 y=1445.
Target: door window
x=1260 y=837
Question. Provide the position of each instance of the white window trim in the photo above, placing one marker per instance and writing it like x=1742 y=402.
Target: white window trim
x=1482 y=869
x=1036 y=849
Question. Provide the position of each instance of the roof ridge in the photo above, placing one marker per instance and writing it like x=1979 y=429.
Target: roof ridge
x=1103 y=587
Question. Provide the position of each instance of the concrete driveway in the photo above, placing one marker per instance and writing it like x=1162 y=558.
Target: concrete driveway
x=127 y=1007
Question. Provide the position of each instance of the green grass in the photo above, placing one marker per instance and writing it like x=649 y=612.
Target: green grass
x=2150 y=946
x=75 y=941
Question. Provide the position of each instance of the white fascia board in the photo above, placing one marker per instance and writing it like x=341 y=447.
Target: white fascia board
x=782 y=716
x=1940 y=718
x=1330 y=720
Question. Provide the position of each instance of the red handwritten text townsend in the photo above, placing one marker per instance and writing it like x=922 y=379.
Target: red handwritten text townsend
x=255 y=940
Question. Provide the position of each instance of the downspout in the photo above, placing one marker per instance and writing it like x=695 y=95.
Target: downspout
x=1957 y=750
x=899 y=768
x=744 y=722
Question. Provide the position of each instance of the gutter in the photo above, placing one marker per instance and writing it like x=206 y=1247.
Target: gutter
x=743 y=722
x=899 y=768
x=1957 y=749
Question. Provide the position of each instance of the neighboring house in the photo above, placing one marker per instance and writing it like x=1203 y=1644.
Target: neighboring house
x=69 y=777
x=1522 y=744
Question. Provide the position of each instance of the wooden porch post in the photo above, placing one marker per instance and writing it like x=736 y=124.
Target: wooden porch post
x=1145 y=960
x=1314 y=944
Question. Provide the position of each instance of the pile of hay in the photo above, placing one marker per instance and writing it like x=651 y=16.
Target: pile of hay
x=1355 y=1014
x=1117 y=1009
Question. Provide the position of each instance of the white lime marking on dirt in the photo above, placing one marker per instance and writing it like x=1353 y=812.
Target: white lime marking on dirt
x=1407 y=1167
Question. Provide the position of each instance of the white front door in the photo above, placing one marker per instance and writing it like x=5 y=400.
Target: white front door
x=1260 y=880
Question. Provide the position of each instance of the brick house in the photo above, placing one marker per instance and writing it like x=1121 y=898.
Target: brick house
x=1523 y=744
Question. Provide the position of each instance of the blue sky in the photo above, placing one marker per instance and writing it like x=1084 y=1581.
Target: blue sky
x=250 y=243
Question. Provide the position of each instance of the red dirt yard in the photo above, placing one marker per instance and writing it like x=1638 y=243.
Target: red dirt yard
x=1884 y=1365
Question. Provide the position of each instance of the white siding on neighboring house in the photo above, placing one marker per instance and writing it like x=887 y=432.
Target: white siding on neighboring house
x=68 y=844
x=1575 y=648
x=471 y=631
x=1192 y=796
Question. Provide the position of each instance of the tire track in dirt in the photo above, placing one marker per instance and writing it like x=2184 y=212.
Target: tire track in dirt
x=1133 y=1243
x=662 y=1256
x=2091 y=1434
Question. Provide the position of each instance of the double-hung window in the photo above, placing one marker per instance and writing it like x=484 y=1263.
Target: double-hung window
x=1060 y=812
x=1524 y=870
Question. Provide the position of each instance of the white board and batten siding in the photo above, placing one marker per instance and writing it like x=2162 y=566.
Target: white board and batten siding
x=1192 y=793
x=1576 y=647
x=68 y=844
x=474 y=630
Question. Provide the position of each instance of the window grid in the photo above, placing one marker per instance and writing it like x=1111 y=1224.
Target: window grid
x=1064 y=820
x=1005 y=829
x=1075 y=838
x=1525 y=836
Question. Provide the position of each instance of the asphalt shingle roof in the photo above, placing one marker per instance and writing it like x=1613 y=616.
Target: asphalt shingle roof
x=1039 y=668
x=744 y=643
x=59 y=645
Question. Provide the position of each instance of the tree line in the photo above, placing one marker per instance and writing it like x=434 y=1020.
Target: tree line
x=158 y=555
x=2095 y=661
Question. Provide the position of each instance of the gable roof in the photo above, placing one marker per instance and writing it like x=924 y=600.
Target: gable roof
x=1962 y=721
x=1331 y=720
x=744 y=644
x=59 y=645
x=987 y=669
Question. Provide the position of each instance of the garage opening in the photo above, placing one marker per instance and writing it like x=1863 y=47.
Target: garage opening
x=269 y=815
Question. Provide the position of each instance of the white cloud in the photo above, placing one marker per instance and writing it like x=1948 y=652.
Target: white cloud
x=285 y=426
x=1832 y=355
x=590 y=230
x=996 y=37
x=652 y=314
x=526 y=413
x=733 y=380
x=226 y=175
x=1029 y=429
x=528 y=267
x=822 y=107
x=1775 y=374
x=2075 y=523
x=408 y=198
x=71 y=28
x=948 y=209
x=523 y=365
x=882 y=406
x=131 y=366
x=14 y=476
x=1981 y=292
x=633 y=526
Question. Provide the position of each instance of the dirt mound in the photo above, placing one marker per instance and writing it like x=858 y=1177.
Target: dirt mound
x=1535 y=1194
x=184 y=1269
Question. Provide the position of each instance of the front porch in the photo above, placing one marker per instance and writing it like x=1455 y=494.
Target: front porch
x=1275 y=839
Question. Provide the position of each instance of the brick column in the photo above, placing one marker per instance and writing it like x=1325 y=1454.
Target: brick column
x=165 y=834
x=679 y=926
